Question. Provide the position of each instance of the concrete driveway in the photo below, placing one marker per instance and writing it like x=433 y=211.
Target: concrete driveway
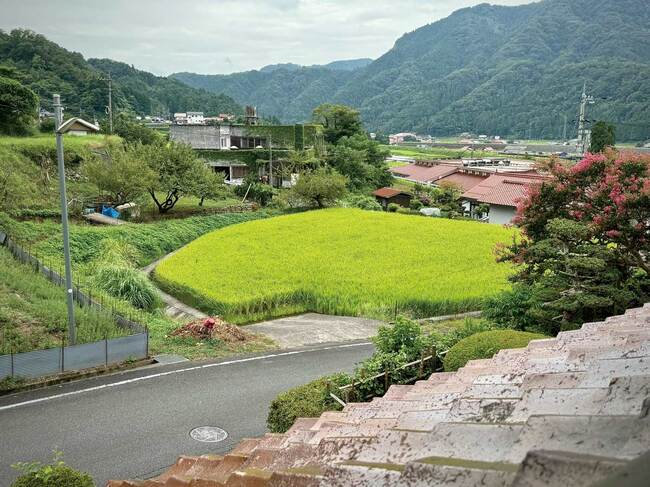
x=314 y=328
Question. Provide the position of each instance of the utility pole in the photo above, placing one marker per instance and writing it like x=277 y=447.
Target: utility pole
x=270 y=159
x=110 y=103
x=58 y=111
x=584 y=134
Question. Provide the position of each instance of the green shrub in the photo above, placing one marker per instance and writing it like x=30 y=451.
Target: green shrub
x=305 y=401
x=485 y=345
x=511 y=308
x=55 y=474
x=416 y=204
x=361 y=201
x=443 y=341
x=405 y=336
x=393 y=207
x=127 y=283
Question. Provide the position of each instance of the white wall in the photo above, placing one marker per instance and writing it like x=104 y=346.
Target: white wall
x=501 y=214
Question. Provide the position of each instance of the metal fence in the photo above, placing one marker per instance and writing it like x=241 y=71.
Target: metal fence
x=51 y=361
x=72 y=357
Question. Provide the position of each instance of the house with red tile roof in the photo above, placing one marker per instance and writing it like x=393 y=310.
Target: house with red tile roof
x=501 y=192
x=425 y=172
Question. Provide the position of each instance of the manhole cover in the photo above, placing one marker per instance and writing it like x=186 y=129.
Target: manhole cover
x=208 y=434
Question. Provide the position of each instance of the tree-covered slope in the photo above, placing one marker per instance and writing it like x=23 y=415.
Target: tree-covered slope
x=47 y=68
x=502 y=70
x=287 y=91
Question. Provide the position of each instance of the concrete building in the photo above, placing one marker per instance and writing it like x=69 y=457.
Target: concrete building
x=231 y=148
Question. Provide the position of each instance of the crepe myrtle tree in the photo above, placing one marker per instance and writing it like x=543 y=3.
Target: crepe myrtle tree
x=585 y=243
x=610 y=192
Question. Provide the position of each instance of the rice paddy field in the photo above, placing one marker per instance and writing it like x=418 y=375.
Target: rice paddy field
x=339 y=261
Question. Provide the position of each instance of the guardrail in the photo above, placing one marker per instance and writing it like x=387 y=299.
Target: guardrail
x=37 y=363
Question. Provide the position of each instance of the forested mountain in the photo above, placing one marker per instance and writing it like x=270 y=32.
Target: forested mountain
x=287 y=92
x=501 y=70
x=47 y=68
x=343 y=65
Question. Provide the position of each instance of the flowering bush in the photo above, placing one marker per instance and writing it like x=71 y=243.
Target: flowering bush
x=585 y=246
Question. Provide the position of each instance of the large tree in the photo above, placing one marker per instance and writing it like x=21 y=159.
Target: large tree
x=586 y=244
x=209 y=185
x=18 y=107
x=178 y=171
x=361 y=160
x=120 y=173
x=338 y=121
x=603 y=135
x=321 y=187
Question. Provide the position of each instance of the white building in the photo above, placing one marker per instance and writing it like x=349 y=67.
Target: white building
x=195 y=118
x=189 y=118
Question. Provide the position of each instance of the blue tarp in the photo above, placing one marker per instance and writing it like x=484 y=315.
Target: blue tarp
x=112 y=212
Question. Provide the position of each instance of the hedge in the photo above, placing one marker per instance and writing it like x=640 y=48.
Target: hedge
x=306 y=401
x=485 y=345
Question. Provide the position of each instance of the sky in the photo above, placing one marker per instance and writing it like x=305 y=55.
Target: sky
x=225 y=36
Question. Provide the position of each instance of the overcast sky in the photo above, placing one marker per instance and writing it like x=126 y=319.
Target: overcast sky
x=224 y=36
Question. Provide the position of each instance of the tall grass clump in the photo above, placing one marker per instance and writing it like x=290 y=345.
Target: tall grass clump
x=116 y=274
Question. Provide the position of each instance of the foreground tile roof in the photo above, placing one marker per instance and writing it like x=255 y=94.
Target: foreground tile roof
x=566 y=411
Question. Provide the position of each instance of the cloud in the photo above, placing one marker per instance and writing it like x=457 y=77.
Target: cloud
x=221 y=36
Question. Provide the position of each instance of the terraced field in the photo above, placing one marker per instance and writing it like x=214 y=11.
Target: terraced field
x=339 y=261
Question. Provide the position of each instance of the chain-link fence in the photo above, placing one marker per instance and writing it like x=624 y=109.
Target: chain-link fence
x=72 y=357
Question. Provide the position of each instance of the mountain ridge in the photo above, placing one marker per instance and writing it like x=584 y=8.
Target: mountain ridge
x=48 y=68
x=509 y=70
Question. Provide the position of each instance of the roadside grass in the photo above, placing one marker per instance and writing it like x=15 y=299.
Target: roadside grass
x=339 y=261
x=33 y=312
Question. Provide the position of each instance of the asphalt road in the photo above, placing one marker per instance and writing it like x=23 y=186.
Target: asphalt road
x=135 y=424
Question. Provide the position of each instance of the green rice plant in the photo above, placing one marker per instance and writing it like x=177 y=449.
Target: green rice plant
x=339 y=261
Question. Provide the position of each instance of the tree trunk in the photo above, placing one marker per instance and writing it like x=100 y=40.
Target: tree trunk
x=168 y=204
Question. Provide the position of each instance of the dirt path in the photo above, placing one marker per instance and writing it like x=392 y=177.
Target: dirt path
x=173 y=307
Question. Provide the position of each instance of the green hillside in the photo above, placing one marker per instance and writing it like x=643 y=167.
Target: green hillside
x=502 y=70
x=47 y=68
x=289 y=92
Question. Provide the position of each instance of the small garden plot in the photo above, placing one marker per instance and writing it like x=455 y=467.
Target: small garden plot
x=339 y=261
